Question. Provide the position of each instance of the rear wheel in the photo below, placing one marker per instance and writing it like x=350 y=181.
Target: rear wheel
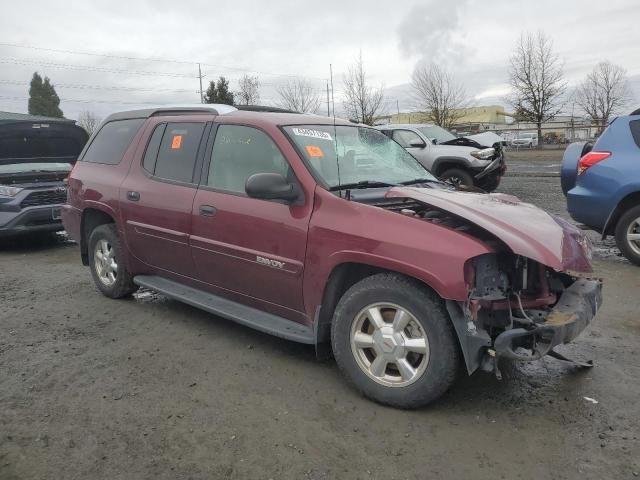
x=394 y=340
x=107 y=264
x=457 y=176
x=628 y=234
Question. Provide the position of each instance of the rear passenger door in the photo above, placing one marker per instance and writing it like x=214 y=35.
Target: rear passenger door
x=249 y=249
x=157 y=196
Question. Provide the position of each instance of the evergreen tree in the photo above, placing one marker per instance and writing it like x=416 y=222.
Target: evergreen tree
x=219 y=92
x=43 y=99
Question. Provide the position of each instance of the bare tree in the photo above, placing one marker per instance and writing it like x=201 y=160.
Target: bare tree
x=603 y=93
x=362 y=102
x=249 y=91
x=536 y=80
x=89 y=121
x=438 y=94
x=300 y=96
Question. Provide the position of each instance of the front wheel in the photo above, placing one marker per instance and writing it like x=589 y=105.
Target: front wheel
x=457 y=176
x=394 y=340
x=106 y=261
x=628 y=234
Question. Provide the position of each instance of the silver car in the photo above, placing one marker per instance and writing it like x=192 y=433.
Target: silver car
x=474 y=160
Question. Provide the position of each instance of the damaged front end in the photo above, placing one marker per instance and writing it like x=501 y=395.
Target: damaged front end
x=531 y=293
x=520 y=309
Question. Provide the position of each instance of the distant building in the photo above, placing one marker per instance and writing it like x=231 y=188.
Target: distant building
x=489 y=114
x=493 y=118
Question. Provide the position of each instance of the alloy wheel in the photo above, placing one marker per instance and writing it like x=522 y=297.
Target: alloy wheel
x=105 y=262
x=389 y=345
x=633 y=236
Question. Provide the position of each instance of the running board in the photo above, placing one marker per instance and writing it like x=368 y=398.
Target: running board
x=251 y=317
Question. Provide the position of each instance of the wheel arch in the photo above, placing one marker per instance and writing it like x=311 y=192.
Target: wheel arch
x=91 y=218
x=342 y=277
x=628 y=201
x=441 y=164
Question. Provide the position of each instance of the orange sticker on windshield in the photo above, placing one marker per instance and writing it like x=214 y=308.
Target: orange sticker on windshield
x=176 y=143
x=314 y=151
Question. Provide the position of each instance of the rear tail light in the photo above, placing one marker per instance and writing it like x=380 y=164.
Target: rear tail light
x=590 y=159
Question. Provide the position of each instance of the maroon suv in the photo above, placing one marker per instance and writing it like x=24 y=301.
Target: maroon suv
x=327 y=233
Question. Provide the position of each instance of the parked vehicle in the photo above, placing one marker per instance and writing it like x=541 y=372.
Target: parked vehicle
x=328 y=234
x=474 y=160
x=525 y=140
x=601 y=181
x=35 y=158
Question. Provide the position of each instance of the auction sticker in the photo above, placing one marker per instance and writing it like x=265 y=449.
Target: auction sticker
x=314 y=151
x=307 y=132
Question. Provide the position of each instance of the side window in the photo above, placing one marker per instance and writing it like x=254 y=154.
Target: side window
x=635 y=131
x=238 y=153
x=150 y=154
x=406 y=137
x=178 y=150
x=112 y=141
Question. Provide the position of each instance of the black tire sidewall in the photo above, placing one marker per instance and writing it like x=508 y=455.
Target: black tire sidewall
x=466 y=177
x=430 y=313
x=123 y=285
x=621 y=234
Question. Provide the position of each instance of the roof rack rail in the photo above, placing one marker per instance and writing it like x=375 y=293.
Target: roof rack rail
x=263 y=108
x=199 y=108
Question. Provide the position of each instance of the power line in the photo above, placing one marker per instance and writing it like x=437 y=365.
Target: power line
x=88 y=101
x=67 y=66
x=102 y=87
x=152 y=59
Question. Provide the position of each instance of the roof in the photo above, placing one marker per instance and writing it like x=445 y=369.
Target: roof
x=272 y=115
x=23 y=117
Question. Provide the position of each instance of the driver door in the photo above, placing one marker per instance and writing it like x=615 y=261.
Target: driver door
x=249 y=249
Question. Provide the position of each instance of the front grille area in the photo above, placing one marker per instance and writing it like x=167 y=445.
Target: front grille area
x=44 y=197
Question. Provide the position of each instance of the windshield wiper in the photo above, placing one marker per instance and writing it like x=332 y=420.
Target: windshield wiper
x=421 y=180
x=362 y=184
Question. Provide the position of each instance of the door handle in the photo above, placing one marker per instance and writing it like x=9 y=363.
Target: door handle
x=207 y=210
x=133 y=196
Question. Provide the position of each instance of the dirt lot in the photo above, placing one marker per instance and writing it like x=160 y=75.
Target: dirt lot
x=151 y=388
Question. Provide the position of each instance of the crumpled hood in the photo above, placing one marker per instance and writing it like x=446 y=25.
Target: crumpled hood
x=524 y=228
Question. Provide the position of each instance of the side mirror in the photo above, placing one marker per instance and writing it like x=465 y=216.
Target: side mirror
x=271 y=186
x=434 y=141
x=417 y=144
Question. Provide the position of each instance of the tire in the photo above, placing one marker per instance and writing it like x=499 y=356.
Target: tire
x=457 y=176
x=629 y=223
x=113 y=284
x=435 y=370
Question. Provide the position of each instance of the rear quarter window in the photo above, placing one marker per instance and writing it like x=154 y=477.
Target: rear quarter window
x=112 y=140
x=634 y=125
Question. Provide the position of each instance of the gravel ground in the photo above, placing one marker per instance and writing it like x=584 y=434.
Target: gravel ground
x=151 y=388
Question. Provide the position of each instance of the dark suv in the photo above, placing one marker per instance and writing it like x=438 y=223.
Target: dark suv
x=35 y=158
x=326 y=233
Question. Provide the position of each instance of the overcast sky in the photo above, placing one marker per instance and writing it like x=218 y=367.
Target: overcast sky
x=279 y=39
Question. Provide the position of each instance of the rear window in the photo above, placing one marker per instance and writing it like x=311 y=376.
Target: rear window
x=112 y=141
x=635 y=131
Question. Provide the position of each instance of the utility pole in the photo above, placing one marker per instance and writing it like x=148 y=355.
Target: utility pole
x=328 y=104
x=398 y=106
x=200 y=78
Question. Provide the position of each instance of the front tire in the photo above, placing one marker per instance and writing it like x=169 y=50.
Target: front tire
x=393 y=339
x=457 y=176
x=628 y=235
x=106 y=261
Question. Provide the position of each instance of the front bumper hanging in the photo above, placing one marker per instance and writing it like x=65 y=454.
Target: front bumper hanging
x=577 y=306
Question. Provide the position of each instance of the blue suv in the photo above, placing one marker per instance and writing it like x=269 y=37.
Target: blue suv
x=602 y=183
